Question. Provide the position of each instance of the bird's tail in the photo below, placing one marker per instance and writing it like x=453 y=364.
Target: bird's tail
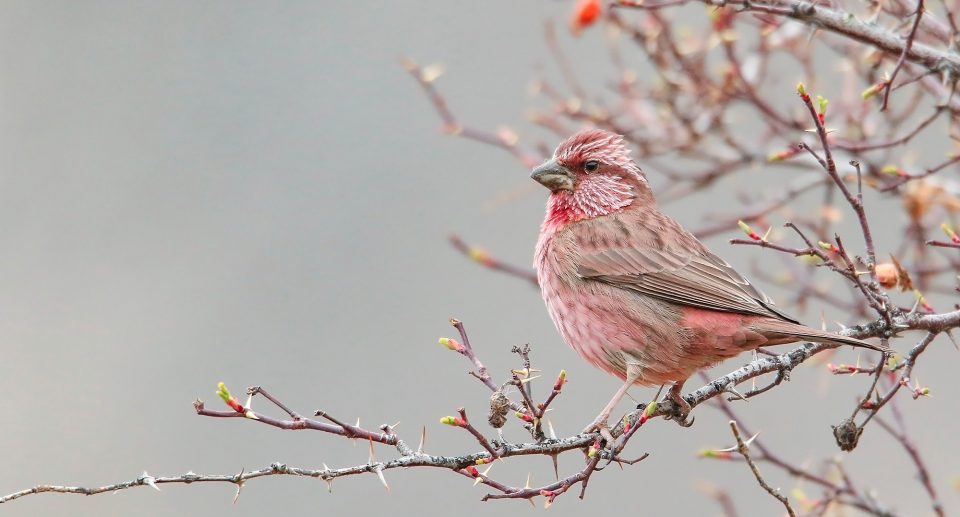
x=785 y=329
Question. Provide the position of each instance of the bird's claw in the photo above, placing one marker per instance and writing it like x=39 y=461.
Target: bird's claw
x=678 y=411
x=600 y=426
x=683 y=422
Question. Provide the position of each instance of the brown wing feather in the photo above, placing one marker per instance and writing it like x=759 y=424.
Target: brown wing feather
x=696 y=280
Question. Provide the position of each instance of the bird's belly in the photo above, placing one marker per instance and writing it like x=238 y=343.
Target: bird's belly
x=611 y=328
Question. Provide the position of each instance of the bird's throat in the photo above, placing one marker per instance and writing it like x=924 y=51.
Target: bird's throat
x=595 y=197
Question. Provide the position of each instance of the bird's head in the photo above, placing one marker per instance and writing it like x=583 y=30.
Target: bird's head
x=591 y=175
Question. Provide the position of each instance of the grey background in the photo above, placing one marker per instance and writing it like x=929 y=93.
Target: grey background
x=256 y=192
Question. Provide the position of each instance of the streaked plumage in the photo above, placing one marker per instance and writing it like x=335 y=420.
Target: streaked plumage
x=631 y=290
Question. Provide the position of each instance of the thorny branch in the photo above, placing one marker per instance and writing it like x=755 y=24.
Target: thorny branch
x=841 y=493
x=844 y=24
x=467 y=464
x=743 y=449
x=485 y=259
x=923 y=474
x=925 y=52
x=685 y=127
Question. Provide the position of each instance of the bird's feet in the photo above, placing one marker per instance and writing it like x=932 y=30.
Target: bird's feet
x=608 y=445
x=599 y=425
x=677 y=408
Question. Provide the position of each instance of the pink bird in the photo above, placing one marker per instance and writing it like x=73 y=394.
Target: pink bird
x=632 y=291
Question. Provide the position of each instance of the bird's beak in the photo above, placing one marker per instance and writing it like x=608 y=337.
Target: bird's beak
x=554 y=176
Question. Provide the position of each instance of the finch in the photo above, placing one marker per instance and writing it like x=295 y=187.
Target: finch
x=632 y=291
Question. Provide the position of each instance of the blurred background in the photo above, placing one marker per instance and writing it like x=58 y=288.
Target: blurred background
x=258 y=193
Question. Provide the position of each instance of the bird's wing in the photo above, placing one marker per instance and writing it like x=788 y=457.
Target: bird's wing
x=701 y=280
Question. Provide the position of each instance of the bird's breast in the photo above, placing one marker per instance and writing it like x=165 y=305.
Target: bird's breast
x=607 y=326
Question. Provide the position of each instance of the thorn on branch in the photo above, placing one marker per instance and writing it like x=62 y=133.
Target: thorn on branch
x=743 y=449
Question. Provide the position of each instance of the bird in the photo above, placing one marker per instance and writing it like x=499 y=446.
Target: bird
x=633 y=292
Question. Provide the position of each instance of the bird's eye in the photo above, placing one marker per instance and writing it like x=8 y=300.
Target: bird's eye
x=591 y=166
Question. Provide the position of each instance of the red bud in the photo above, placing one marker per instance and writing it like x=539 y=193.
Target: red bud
x=585 y=14
x=455 y=421
x=718 y=455
x=526 y=417
x=561 y=380
x=451 y=344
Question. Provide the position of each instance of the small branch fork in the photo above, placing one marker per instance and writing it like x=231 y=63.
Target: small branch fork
x=507 y=140
x=906 y=370
x=837 y=492
x=744 y=451
x=872 y=293
x=844 y=24
x=907 y=46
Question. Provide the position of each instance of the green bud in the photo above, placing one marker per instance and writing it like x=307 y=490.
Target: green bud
x=223 y=392
x=650 y=409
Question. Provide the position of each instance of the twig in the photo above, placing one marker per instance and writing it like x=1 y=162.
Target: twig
x=943 y=244
x=745 y=452
x=922 y=472
x=464 y=465
x=904 y=378
x=494 y=454
x=848 y=25
x=452 y=126
x=906 y=50
x=483 y=258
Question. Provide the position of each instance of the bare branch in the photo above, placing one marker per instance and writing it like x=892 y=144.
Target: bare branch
x=745 y=452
